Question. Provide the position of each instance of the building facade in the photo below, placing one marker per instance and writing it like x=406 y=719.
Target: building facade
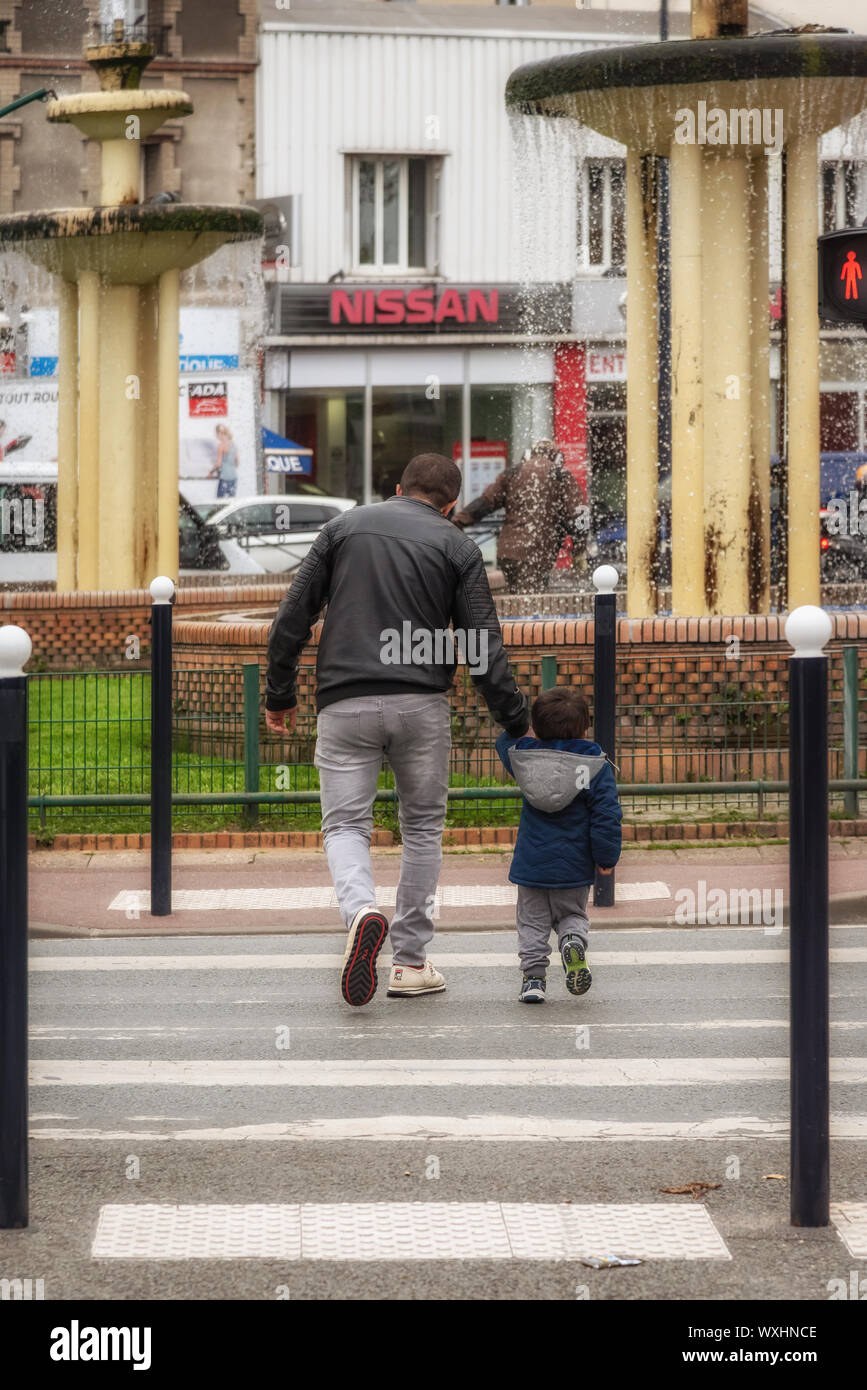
x=424 y=296
x=444 y=277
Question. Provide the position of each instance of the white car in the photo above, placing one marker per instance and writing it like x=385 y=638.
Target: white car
x=271 y=534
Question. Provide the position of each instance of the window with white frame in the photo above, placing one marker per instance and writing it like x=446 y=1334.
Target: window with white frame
x=394 y=213
x=601 y=214
x=842 y=200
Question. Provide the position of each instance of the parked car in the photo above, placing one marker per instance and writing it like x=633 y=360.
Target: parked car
x=199 y=545
x=28 y=530
x=274 y=533
x=844 y=555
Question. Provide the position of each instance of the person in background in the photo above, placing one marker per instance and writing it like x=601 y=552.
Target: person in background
x=543 y=504
x=226 y=464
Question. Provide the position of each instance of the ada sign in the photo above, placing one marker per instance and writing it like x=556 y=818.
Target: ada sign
x=208 y=398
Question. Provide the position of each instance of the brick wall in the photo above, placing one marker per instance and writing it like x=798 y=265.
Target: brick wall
x=89 y=630
x=697 y=698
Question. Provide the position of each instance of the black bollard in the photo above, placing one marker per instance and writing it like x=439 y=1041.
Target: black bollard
x=162 y=590
x=15 y=649
x=604 y=688
x=808 y=629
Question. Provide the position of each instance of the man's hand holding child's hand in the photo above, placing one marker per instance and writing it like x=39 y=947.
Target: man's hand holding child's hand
x=277 y=720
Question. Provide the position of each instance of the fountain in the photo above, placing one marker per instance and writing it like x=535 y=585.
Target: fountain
x=118 y=266
x=642 y=96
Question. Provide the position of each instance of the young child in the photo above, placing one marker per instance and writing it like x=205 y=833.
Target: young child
x=570 y=825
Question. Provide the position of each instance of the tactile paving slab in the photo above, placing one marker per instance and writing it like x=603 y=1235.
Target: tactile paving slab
x=406 y=1231
x=204 y=1231
x=850 y=1218
x=653 y=1231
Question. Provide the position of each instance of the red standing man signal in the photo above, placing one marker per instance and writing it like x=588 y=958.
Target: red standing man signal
x=851 y=273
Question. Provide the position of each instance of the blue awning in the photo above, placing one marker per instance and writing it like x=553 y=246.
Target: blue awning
x=284 y=455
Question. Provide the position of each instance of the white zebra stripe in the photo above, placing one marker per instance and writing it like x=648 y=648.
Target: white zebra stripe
x=425 y=1071
x=446 y=960
x=320 y=897
x=454 y=1128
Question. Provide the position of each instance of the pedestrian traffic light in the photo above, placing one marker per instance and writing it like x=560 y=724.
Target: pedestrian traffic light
x=843 y=275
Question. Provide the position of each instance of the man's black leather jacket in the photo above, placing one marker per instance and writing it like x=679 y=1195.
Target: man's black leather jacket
x=395 y=576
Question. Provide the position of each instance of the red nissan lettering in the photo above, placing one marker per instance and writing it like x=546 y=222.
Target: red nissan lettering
x=483 y=306
x=450 y=307
x=389 y=306
x=419 y=305
x=344 y=307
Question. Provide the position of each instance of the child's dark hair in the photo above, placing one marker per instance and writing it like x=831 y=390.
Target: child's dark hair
x=560 y=713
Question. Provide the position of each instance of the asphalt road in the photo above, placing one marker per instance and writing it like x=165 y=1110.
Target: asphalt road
x=227 y=1073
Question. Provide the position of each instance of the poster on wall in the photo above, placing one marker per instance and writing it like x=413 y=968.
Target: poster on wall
x=28 y=422
x=218 y=450
x=488 y=458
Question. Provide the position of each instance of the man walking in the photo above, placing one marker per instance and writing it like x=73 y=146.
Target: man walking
x=543 y=504
x=405 y=591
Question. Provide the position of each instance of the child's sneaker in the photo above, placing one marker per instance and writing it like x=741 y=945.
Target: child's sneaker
x=533 y=989
x=578 y=977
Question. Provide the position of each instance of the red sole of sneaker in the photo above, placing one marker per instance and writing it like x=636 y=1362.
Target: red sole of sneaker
x=358 y=981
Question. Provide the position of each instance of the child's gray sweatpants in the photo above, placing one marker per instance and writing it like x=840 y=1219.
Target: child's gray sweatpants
x=543 y=910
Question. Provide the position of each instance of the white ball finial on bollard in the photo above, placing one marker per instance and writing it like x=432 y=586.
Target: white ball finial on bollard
x=807 y=630
x=15 y=650
x=605 y=579
x=162 y=589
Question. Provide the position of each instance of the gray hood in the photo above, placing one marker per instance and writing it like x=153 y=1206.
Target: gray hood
x=551 y=778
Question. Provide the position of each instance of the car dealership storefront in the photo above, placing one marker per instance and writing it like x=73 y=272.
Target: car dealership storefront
x=368 y=375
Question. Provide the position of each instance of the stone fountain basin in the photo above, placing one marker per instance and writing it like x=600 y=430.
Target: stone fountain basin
x=104 y=115
x=633 y=93
x=130 y=244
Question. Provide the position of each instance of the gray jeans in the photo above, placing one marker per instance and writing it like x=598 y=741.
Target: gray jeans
x=413 y=732
x=543 y=910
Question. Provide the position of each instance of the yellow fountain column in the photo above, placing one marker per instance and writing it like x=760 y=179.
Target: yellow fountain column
x=687 y=391
x=726 y=333
x=760 y=395
x=802 y=373
x=167 y=369
x=67 y=442
x=88 y=430
x=120 y=443
x=641 y=387
x=121 y=170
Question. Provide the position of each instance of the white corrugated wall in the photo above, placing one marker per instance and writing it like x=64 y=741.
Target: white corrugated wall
x=321 y=94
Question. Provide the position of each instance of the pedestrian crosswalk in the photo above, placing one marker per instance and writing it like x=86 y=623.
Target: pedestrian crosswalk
x=229 y=1042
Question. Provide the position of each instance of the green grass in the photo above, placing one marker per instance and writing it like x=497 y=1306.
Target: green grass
x=89 y=734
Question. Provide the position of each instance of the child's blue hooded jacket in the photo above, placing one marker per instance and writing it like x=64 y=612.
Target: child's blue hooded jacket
x=570 y=820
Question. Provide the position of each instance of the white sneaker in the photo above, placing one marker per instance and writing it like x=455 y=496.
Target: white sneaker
x=367 y=933
x=408 y=980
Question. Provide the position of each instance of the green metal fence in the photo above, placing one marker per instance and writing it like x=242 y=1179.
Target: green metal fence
x=698 y=735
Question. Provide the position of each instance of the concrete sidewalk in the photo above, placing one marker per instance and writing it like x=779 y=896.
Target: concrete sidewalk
x=220 y=892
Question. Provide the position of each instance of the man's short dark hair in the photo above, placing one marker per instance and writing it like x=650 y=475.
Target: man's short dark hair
x=432 y=477
x=560 y=713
